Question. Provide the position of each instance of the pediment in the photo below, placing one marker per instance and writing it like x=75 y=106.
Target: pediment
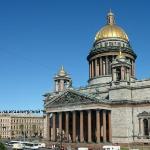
x=70 y=98
x=144 y=113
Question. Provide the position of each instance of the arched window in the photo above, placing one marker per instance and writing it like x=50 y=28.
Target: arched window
x=145 y=123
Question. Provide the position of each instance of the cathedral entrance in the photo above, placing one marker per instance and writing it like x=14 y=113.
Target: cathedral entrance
x=84 y=126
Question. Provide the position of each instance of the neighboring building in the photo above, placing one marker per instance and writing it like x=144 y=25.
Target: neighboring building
x=5 y=126
x=21 y=125
x=114 y=107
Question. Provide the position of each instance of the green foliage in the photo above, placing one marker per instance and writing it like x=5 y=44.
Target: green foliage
x=2 y=146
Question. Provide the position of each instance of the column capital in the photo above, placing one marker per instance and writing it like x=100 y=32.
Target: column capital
x=98 y=109
x=104 y=110
x=73 y=111
x=89 y=110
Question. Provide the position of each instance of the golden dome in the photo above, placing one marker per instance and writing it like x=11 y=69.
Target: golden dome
x=111 y=30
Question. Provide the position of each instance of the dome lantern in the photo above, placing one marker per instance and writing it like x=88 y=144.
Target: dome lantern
x=110 y=18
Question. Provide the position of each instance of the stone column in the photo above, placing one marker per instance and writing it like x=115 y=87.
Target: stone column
x=142 y=128
x=98 y=126
x=109 y=66
x=139 y=126
x=61 y=85
x=127 y=75
x=92 y=74
x=48 y=126
x=97 y=67
x=101 y=66
x=104 y=68
x=94 y=68
x=106 y=65
x=109 y=126
x=122 y=73
x=115 y=75
x=90 y=69
x=132 y=68
x=149 y=126
x=67 y=125
x=89 y=127
x=113 y=71
x=81 y=127
x=54 y=127
x=60 y=122
x=56 y=86
x=74 y=126
x=104 y=125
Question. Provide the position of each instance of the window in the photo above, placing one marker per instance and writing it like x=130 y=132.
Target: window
x=145 y=122
x=119 y=44
x=110 y=43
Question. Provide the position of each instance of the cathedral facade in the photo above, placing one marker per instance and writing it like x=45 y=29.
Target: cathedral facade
x=113 y=108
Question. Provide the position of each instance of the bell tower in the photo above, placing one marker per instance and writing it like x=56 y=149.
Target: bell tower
x=62 y=80
x=121 y=69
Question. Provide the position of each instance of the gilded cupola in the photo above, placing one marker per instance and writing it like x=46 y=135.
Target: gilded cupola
x=111 y=30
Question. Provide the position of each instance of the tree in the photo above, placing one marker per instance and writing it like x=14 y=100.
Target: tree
x=2 y=146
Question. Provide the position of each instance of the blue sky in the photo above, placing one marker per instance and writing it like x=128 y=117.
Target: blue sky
x=38 y=36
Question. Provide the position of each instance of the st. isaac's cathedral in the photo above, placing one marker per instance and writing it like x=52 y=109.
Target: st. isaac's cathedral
x=113 y=108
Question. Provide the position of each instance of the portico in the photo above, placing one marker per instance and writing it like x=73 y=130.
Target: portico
x=80 y=126
x=78 y=122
